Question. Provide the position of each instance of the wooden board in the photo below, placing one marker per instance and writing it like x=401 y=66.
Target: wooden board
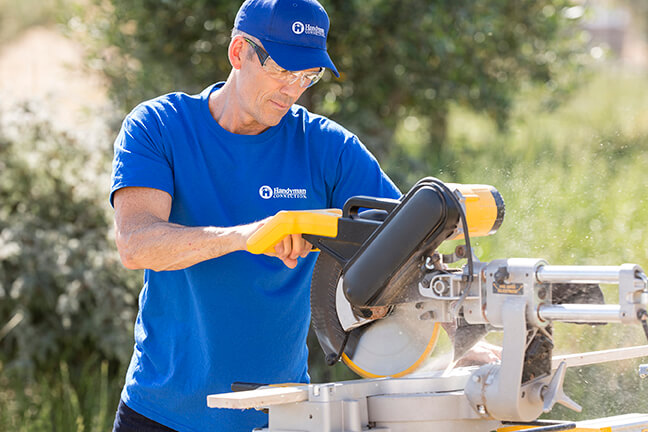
x=259 y=398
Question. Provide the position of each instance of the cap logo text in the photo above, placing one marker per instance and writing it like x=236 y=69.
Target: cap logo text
x=315 y=30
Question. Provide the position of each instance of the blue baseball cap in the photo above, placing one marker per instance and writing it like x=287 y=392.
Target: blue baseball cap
x=293 y=32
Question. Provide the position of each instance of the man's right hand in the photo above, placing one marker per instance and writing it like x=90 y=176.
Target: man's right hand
x=287 y=249
x=290 y=248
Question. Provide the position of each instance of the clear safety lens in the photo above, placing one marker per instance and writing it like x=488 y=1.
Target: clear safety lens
x=306 y=79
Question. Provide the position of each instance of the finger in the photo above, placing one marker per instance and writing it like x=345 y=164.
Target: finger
x=290 y=263
x=285 y=248
x=298 y=246
x=301 y=247
x=279 y=249
x=307 y=248
x=288 y=246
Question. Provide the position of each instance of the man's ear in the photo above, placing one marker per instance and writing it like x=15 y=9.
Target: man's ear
x=235 y=52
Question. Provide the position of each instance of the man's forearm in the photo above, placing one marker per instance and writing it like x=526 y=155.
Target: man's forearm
x=160 y=245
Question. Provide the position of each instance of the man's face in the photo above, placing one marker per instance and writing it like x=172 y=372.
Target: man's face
x=264 y=97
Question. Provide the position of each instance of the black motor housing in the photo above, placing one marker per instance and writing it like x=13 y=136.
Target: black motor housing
x=392 y=256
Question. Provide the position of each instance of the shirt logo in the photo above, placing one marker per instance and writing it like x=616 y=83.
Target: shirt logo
x=298 y=27
x=268 y=192
x=265 y=192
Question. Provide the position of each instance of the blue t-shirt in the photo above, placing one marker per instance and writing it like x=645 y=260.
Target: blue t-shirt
x=239 y=317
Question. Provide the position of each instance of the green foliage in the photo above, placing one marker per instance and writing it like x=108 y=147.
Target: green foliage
x=412 y=59
x=415 y=74
x=150 y=47
x=573 y=180
x=604 y=390
x=63 y=291
x=574 y=183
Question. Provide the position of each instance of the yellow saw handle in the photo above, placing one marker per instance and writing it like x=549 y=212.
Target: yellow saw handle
x=286 y=222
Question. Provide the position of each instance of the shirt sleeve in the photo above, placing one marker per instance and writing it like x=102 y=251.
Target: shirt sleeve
x=358 y=173
x=140 y=157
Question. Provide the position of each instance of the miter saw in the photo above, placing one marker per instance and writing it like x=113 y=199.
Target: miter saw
x=381 y=291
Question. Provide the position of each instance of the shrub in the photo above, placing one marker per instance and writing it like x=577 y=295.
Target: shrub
x=64 y=295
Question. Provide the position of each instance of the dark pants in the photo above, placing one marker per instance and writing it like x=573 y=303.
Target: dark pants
x=128 y=420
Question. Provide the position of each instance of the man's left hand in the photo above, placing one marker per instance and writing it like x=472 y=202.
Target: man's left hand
x=482 y=353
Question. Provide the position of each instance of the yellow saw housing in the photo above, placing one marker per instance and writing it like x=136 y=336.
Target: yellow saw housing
x=484 y=208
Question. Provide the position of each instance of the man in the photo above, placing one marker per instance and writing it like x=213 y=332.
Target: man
x=193 y=178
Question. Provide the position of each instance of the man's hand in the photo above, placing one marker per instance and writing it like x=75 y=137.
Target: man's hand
x=482 y=353
x=292 y=247
x=287 y=249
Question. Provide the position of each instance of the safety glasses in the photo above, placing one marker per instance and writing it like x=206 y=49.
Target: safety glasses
x=306 y=79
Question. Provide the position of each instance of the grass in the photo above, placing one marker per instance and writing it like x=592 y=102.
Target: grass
x=83 y=400
x=573 y=180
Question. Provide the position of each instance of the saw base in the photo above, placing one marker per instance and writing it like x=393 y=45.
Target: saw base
x=429 y=403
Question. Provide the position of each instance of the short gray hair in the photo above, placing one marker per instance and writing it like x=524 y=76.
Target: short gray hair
x=237 y=32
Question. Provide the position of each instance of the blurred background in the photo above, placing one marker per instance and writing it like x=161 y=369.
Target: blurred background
x=545 y=99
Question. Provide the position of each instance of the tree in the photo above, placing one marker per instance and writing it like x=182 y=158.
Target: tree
x=399 y=60
x=414 y=58
x=150 y=47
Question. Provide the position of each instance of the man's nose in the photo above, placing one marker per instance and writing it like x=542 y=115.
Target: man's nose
x=293 y=90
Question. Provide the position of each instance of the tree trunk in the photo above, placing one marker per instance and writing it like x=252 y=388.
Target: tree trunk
x=438 y=132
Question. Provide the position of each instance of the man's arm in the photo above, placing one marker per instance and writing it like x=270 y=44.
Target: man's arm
x=147 y=240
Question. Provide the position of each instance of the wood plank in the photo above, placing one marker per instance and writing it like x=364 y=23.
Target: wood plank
x=259 y=398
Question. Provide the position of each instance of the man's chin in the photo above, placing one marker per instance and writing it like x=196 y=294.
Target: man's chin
x=274 y=120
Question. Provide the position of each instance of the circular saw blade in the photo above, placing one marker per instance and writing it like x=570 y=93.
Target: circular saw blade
x=394 y=346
